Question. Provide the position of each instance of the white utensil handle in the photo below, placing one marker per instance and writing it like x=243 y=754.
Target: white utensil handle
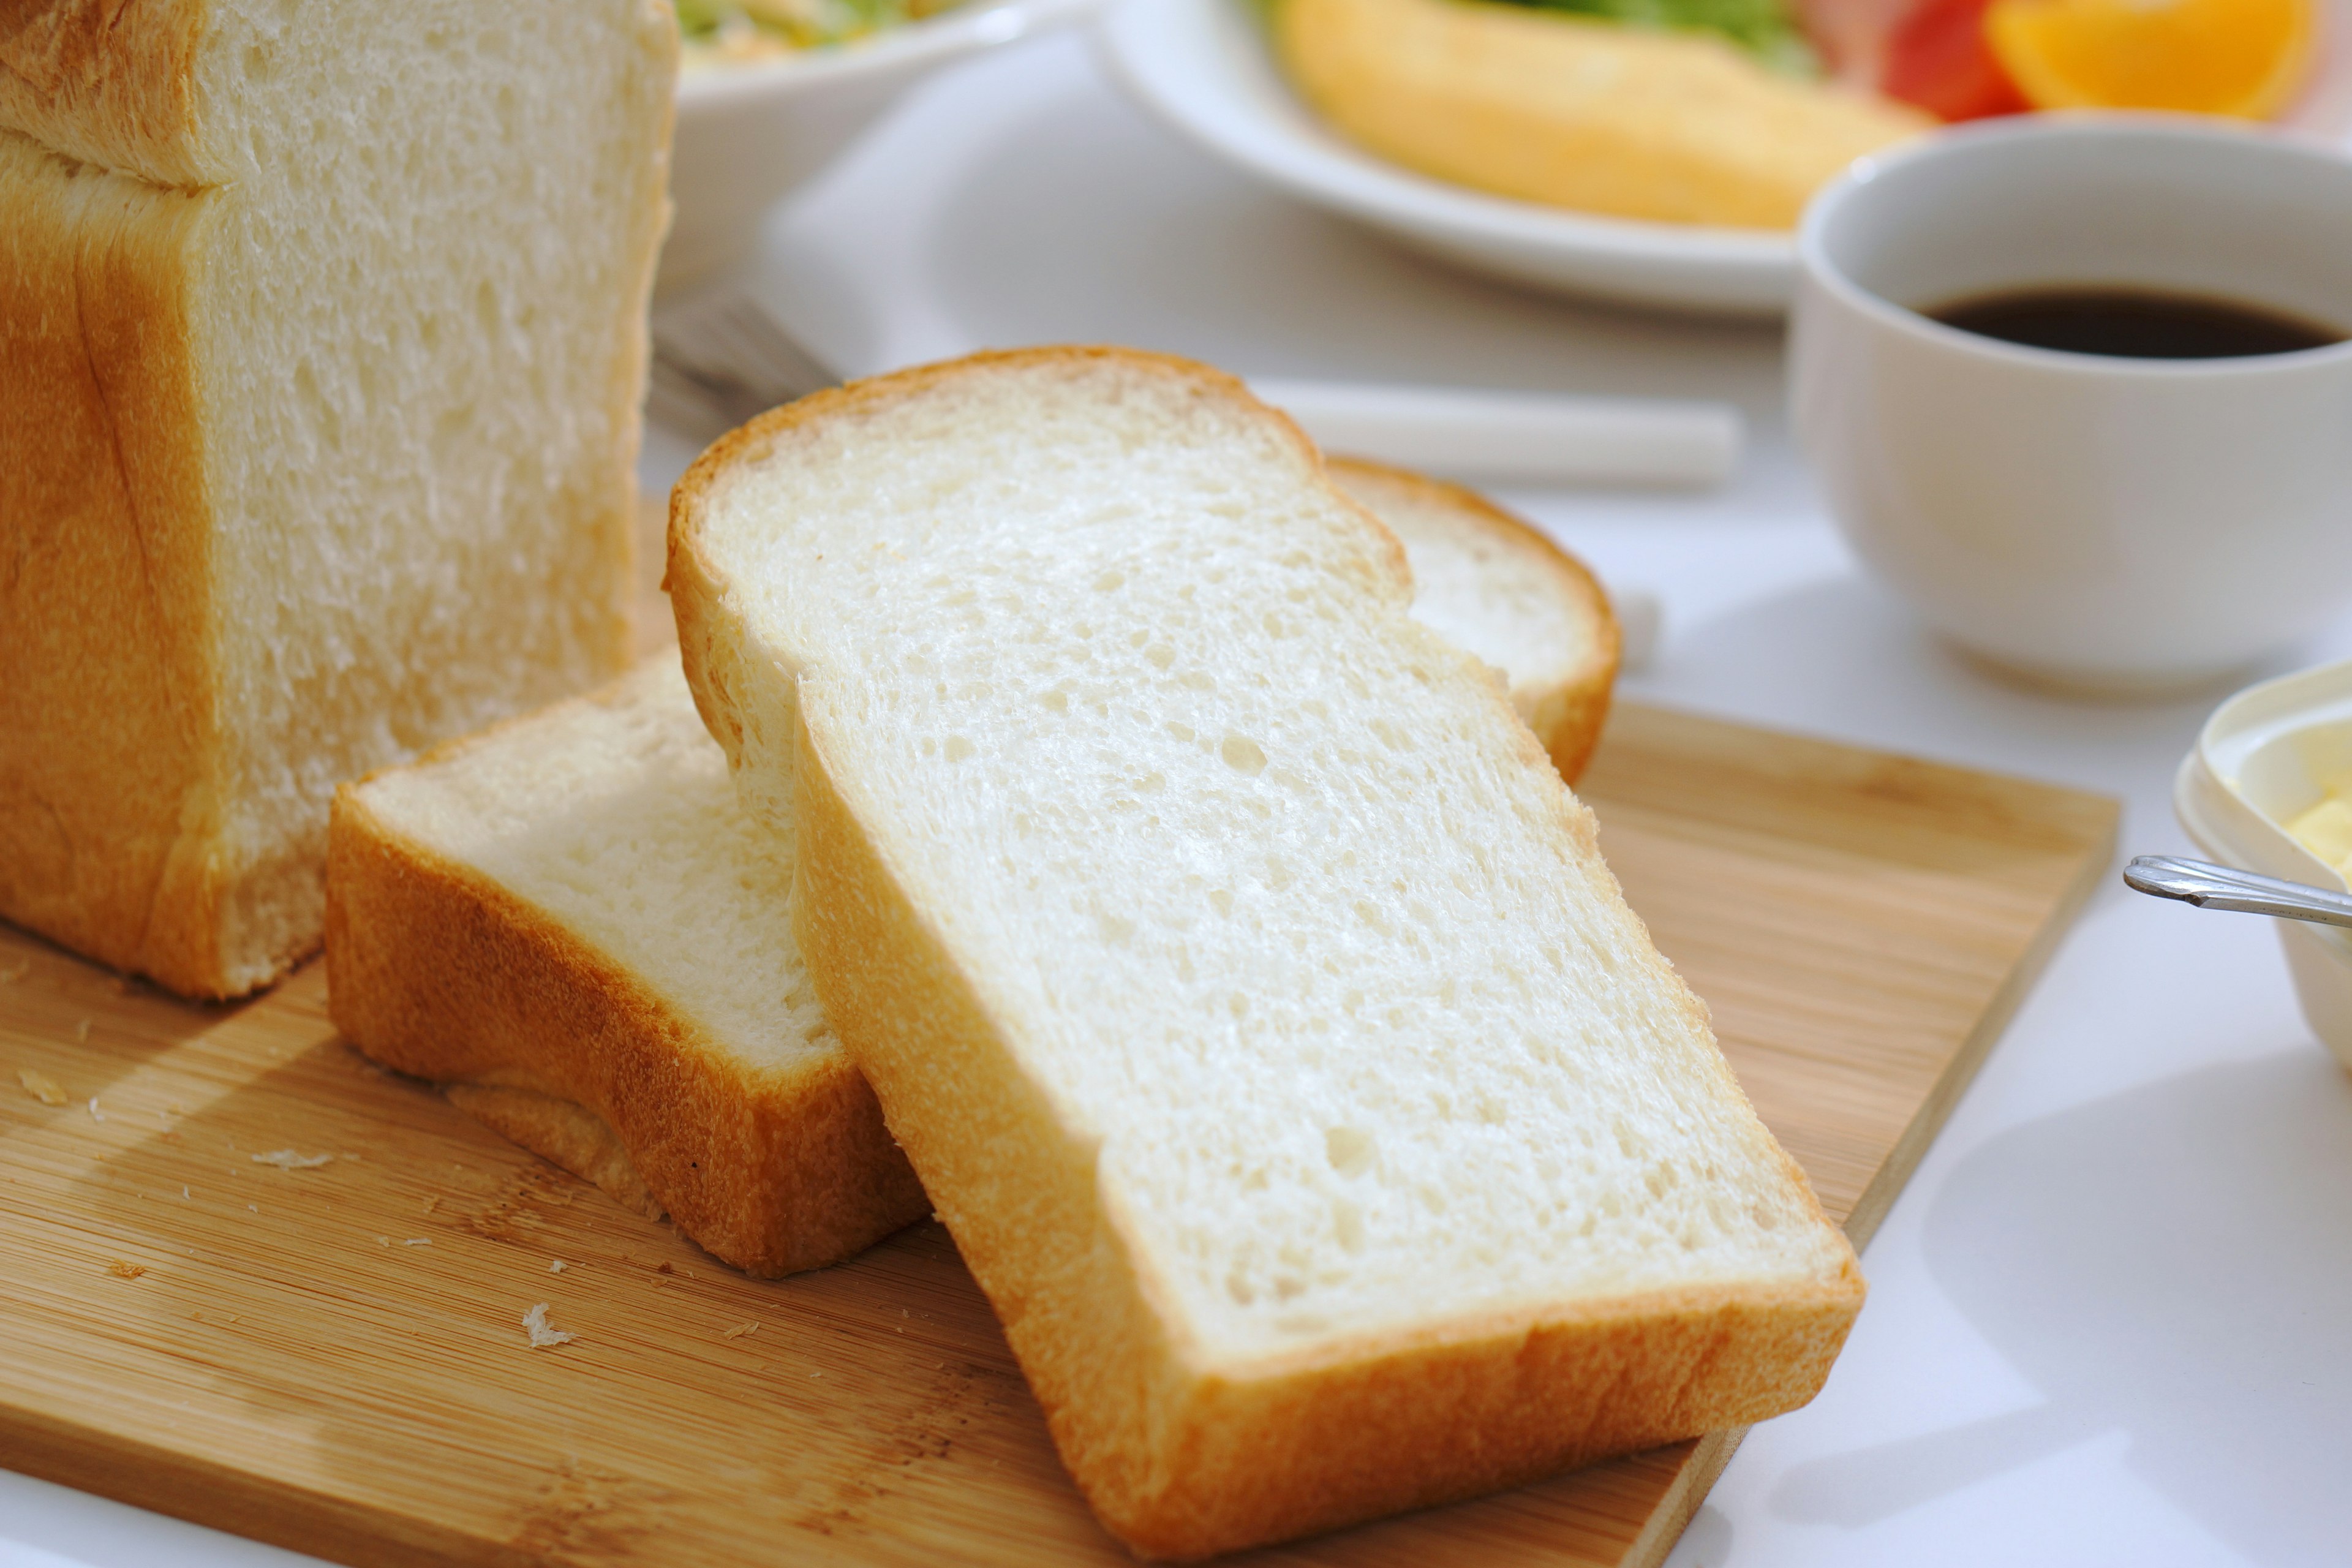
x=1531 y=437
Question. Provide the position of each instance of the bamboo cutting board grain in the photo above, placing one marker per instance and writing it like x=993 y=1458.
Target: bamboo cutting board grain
x=332 y=1356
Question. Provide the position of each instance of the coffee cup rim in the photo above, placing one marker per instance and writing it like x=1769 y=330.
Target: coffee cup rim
x=1818 y=267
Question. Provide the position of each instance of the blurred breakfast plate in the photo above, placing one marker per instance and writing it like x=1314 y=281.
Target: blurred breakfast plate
x=1202 y=68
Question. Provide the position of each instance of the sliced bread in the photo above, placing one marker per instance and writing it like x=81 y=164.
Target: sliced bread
x=463 y=841
x=1496 y=587
x=1242 y=980
x=321 y=342
x=571 y=921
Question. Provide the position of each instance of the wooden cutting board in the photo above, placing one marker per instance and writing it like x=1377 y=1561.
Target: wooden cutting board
x=332 y=1357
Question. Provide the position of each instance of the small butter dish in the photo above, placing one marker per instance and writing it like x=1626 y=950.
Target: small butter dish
x=2265 y=757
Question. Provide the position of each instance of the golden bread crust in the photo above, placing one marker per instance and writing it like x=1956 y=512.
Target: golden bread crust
x=1178 y=1456
x=108 y=736
x=434 y=970
x=1568 y=715
x=109 y=82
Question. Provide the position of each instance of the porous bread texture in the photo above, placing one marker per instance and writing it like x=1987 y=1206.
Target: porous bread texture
x=569 y=918
x=321 y=341
x=1240 y=977
x=573 y=812
x=1495 y=587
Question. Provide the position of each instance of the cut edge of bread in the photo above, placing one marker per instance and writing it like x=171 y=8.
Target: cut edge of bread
x=1180 y=1456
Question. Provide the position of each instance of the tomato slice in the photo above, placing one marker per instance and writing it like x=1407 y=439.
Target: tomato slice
x=1938 y=60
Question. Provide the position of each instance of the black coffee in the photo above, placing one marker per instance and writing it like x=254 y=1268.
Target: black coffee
x=2134 y=323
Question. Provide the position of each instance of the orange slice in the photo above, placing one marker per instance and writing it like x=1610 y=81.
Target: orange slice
x=2242 y=58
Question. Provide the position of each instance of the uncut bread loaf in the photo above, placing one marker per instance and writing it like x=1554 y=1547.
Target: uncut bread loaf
x=569 y=921
x=321 y=342
x=1242 y=980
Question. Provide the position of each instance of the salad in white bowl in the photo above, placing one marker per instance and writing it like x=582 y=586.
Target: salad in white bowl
x=770 y=91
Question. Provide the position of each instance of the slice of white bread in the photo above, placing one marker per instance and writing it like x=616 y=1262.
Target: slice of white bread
x=549 y=832
x=569 y=918
x=1496 y=587
x=1241 y=979
x=321 y=341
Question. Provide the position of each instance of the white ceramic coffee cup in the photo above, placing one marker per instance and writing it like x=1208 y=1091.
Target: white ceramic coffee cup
x=2099 y=522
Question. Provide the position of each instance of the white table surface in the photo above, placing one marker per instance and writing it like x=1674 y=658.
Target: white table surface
x=2110 y=1319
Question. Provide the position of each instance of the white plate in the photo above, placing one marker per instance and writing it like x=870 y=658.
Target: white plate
x=1202 y=67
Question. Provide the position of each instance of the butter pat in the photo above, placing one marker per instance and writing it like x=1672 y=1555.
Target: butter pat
x=1598 y=116
x=2326 y=828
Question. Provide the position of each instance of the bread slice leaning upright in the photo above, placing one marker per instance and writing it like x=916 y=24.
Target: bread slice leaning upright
x=1244 y=986
x=567 y=922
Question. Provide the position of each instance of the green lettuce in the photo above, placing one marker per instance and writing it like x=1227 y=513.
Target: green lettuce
x=1761 y=28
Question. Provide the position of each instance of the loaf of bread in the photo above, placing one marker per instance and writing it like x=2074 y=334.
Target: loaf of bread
x=321 y=344
x=572 y=910
x=1242 y=980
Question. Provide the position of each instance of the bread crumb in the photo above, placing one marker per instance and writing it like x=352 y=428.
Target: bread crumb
x=255 y=1207
x=95 y=1114
x=556 y=1266
x=41 y=1087
x=184 y=1191
x=414 y=1241
x=739 y=1330
x=176 y=1108
x=10 y=976
x=664 y=1268
x=535 y=1323
x=432 y=1203
x=81 y=1030
x=122 y=1270
x=286 y=1159
x=384 y=1241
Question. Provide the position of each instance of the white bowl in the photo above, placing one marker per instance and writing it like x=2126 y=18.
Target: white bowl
x=2264 y=757
x=2092 y=521
x=747 y=135
x=1201 y=66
